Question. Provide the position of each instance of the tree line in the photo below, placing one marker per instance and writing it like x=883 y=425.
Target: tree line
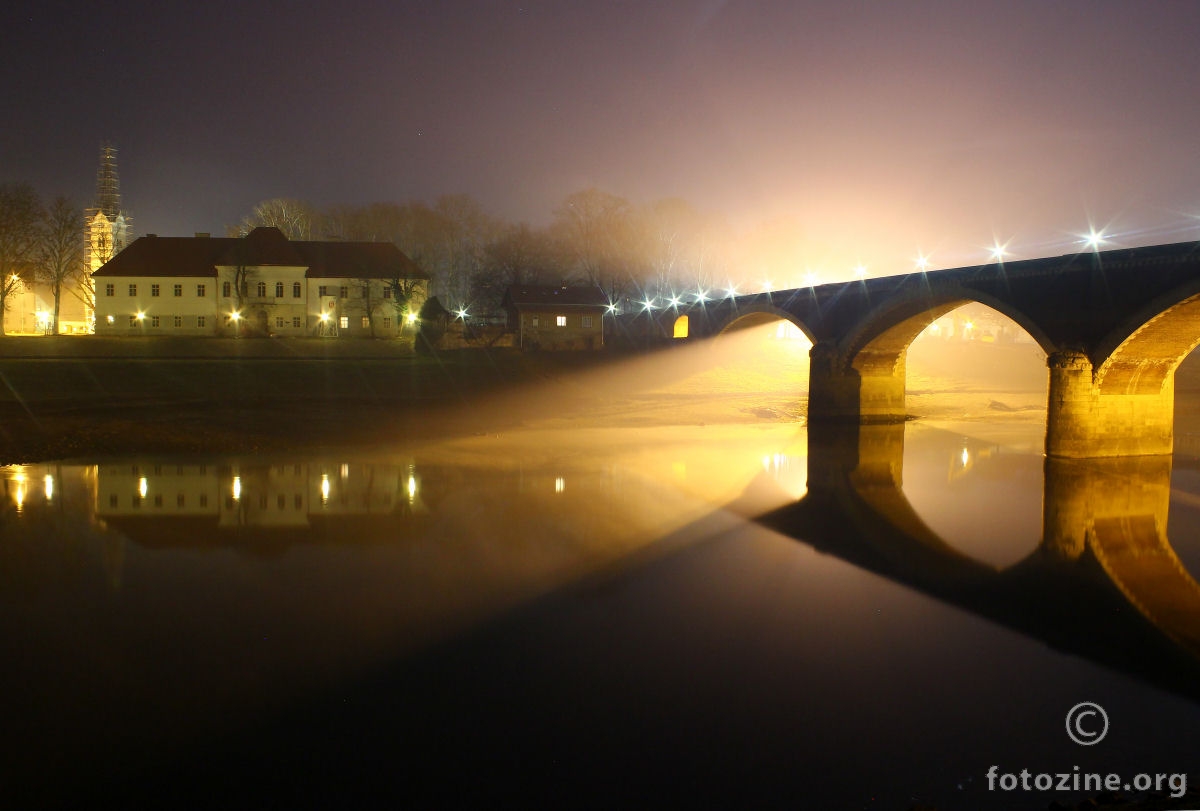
x=43 y=244
x=472 y=257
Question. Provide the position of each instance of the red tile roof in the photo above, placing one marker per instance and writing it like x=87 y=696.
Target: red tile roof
x=200 y=256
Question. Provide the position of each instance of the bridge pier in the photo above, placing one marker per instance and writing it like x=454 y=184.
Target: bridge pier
x=869 y=391
x=1083 y=421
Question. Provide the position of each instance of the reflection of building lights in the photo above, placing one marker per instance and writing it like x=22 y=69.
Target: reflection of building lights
x=20 y=497
x=412 y=487
x=969 y=325
x=237 y=487
x=966 y=457
x=701 y=296
x=674 y=301
x=860 y=271
x=48 y=487
x=324 y=487
x=998 y=252
x=922 y=262
x=768 y=285
x=559 y=484
x=810 y=278
x=109 y=319
x=731 y=291
x=324 y=316
x=344 y=471
x=143 y=487
x=647 y=305
x=1094 y=239
x=612 y=308
x=935 y=328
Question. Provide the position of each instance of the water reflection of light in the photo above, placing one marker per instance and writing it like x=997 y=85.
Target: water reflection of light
x=344 y=471
x=237 y=487
x=559 y=484
x=965 y=457
x=143 y=487
x=48 y=486
x=324 y=488
x=20 y=497
x=412 y=487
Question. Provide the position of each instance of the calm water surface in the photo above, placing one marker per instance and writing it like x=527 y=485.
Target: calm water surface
x=747 y=614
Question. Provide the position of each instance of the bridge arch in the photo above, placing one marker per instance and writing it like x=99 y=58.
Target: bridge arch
x=1141 y=356
x=881 y=338
x=760 y=313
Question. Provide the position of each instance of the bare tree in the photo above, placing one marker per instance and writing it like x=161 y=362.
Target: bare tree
x=20 y=220
x=294 y=218
x=59 y=255
x=599 y=228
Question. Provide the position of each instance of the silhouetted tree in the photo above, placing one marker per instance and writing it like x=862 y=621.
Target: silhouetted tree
x=20 y=225
x=59 y=256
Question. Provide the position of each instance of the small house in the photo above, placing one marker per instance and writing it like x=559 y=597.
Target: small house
x=556 y=317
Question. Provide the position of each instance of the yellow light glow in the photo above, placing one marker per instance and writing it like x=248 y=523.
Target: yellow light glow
x=965 y=457
x=412 y=488
x=109 y=319
x=559 y=484
x=141 y=316
x=998 y=252
x=48 y=487
x=1095 y=239
x=20 y=496
x=143 y=487
x=412 y=318
x=235 y=316
x=237 y=488
x=324 y=316
x=860 y=271
x=969 y=325
x=324 y=488
x=922 y=262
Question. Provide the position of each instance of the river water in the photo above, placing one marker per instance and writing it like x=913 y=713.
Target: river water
x=742 y=613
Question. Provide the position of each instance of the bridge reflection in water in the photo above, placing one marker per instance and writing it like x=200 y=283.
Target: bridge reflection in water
x=1104 y=582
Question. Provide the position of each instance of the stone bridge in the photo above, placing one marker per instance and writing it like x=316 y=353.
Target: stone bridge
x=1114 y=325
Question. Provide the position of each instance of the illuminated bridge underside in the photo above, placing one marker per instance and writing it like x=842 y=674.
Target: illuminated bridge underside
x=1114 y=326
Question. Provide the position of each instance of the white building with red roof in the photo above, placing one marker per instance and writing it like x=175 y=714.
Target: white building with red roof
x=261 y=284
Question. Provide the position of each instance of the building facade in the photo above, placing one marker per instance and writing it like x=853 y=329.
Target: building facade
x=260 y=284
x=556 y=317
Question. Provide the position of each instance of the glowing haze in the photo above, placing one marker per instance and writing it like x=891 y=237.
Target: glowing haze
x=828 y=135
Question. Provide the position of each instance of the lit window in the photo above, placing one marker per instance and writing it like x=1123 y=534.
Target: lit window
x=133 y=289
x=226 y=289
x=200 y=291
x=261 y=289
x=278 y=289
x=178 y=291
x=296 y=290
x=560 y=320
x=366 y=322
x=296 y=321
x=110 y=289
x=533 y=321
x=154 y=290
x=587 y=321
x=199 y=320
x=154 y=320
x=344 y=322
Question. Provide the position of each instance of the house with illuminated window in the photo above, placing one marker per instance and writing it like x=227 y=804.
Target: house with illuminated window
x=259 y=284
x=550 y=317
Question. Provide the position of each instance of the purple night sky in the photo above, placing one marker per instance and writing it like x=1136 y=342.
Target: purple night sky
x=844 y=132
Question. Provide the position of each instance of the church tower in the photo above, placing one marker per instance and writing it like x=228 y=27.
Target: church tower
x=107 y=224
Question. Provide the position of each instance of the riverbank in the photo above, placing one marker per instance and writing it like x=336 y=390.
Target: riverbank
x=74 y=397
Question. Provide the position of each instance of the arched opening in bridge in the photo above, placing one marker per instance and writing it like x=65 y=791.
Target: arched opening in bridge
x=681 y=327
x=969 y=361
x=761 y=361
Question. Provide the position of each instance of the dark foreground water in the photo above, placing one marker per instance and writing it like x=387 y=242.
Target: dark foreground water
x=734 y=616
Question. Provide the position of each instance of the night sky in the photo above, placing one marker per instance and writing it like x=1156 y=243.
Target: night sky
x=837 y=132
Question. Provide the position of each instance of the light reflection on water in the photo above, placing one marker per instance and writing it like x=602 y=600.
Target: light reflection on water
x=213 y=590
